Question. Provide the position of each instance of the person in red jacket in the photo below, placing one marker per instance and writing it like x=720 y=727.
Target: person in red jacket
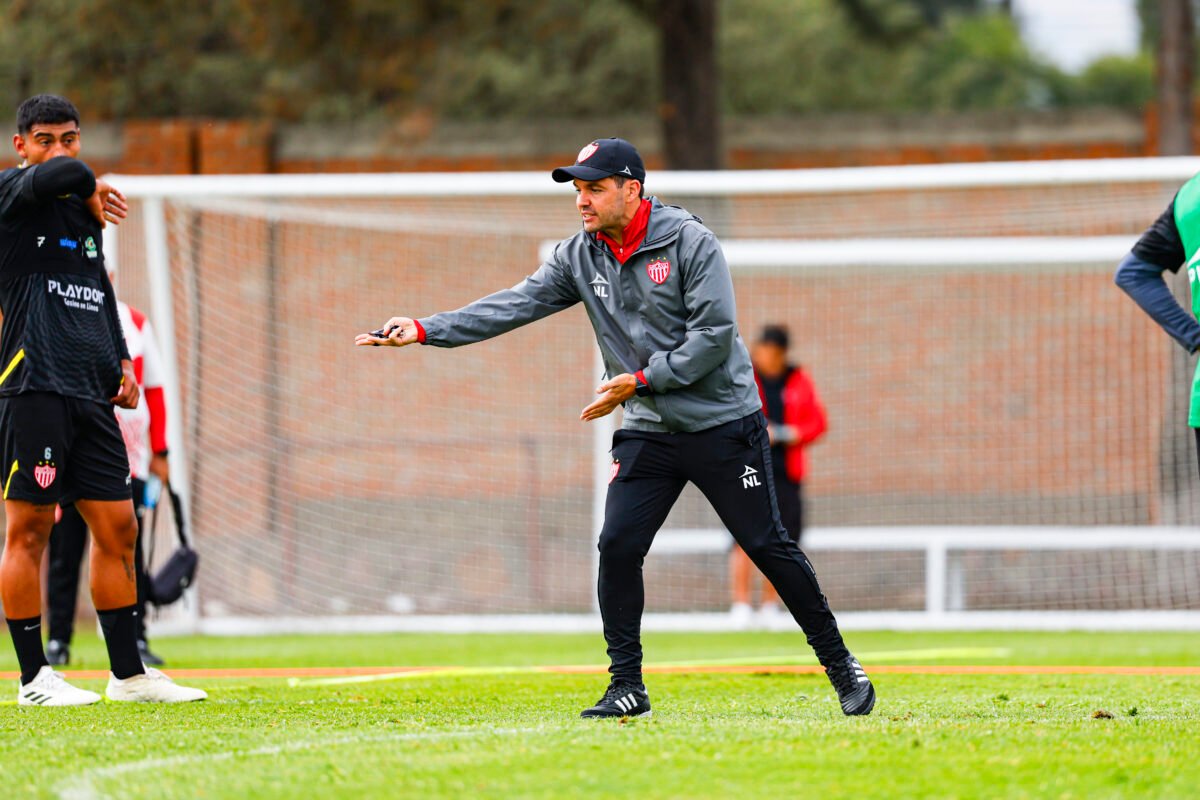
x=795 y=419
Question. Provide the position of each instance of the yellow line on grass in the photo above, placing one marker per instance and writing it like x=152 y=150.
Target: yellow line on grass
x=930 y=654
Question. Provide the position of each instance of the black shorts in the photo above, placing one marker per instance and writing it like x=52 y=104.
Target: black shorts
x=56 y=449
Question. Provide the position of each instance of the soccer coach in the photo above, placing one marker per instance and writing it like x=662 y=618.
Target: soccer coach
x=660 y=298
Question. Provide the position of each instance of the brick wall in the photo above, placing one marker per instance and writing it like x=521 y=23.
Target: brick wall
x=183 y=146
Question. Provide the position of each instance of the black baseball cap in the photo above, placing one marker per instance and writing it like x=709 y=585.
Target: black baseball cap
x=776 y=335
x=602 y=158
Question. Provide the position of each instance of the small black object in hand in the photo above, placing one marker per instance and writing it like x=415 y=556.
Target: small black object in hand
x=382 y=334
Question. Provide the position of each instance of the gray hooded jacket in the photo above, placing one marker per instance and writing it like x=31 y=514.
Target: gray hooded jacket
x=668 y=311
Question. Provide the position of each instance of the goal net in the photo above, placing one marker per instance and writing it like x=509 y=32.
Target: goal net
x=1007 y=443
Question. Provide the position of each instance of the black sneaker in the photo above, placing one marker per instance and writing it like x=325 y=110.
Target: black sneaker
x=621 y=700
x=148 y=658
x=854 y=688
x=58 y=653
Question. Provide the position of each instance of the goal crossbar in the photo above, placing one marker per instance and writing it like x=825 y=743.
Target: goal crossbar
x=750 y=182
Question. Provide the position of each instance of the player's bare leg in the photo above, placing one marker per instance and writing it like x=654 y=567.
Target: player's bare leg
x=26 y=535
x=769 y=595
x=739 y=578
x=114 y=591
x=114 y=534
x=25 y=538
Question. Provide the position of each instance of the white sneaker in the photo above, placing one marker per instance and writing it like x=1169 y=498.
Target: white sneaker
x=152 y=687
x=50 y=688
x=740 y=615
x=773 y=617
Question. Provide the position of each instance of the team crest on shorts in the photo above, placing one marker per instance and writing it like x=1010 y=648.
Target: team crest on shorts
x=44 y=473
x=658 y=270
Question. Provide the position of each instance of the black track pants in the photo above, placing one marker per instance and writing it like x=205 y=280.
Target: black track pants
x=731 y=465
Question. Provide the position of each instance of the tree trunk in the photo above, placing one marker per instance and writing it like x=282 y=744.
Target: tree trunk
x=1176 y=51
x=688 y=61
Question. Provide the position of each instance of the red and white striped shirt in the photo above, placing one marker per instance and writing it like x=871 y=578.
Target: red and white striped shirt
x=144 y=428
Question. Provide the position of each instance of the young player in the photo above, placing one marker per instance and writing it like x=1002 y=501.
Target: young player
x=1173 y=239
x=665 y=324
x=63 y=365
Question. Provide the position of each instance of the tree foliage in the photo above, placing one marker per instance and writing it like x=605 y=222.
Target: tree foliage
x=525 y=59
x=132 y=58
x=896 y=22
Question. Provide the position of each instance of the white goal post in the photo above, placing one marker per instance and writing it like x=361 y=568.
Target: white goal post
x=822 y=249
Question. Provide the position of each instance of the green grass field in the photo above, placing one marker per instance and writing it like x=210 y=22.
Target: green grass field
x=491 y=732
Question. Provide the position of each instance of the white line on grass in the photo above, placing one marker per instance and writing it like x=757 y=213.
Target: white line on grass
x=929 y=654
x=84 y=786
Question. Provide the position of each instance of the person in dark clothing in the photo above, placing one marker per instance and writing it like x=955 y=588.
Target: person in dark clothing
x=795 y=419
x=1172 y=241
x=63 y=366
x=660 y=298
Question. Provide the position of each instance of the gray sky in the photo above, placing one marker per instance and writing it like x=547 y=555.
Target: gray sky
x=1071 y=33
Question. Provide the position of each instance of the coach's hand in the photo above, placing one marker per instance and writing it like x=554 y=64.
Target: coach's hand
x=128 y=396
x=397 y=332
x=107 y=204
x=612 y=394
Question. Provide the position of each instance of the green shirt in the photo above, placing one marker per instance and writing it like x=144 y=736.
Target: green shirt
x=1187 y=221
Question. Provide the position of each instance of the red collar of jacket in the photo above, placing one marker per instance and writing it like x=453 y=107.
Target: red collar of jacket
x=632 y=236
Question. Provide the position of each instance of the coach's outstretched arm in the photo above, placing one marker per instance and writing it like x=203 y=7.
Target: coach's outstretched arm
x=711 y=329
x=545 y=292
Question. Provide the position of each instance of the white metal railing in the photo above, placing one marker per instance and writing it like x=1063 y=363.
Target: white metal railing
x=944 y=580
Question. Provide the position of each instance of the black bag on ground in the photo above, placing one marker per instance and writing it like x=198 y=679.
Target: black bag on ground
x=178 y=573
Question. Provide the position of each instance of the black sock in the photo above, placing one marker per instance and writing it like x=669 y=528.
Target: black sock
x=120 y=627
x=27 y=639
